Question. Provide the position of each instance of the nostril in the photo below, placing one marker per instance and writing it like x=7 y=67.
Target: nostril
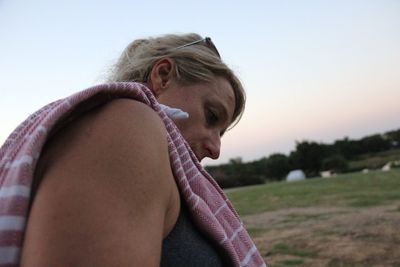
x=213 y=152
x=210 y=153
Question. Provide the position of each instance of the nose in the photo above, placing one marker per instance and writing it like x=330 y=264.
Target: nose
x=213 y=146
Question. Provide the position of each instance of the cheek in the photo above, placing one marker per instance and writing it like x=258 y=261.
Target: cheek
x=184 y=127
x=190 y=130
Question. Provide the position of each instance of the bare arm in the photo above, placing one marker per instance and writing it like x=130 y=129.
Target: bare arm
x=107 y=192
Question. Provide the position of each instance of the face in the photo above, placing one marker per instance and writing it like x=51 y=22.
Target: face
x=210 y=107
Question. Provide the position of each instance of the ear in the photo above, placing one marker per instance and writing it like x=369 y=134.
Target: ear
x=161 y=75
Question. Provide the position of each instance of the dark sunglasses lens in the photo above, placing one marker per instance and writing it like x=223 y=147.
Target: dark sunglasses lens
x=211 y=45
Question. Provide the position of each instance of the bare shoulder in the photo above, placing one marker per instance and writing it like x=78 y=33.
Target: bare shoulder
x=107 y=189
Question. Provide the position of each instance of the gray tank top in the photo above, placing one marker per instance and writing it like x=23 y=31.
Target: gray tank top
x=186 y=246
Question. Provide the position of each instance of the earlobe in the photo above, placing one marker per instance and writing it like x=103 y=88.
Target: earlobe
x=161 y=75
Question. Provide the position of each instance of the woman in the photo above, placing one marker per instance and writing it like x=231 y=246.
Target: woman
x=112 y=181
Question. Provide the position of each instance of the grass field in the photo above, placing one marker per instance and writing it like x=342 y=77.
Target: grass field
x=348 y=220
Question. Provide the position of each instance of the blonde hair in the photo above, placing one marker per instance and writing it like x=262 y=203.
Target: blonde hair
x=193 y=63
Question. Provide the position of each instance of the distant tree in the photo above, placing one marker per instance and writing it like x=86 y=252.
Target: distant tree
x=375 y=143
x=308 y=156
x=236 y=173
x=237 y=160
x=258 y=167
x=277 y=166
x=393 y=137
x=236 y=167
x=347 y=148
x=336 y=163
x=227 y=181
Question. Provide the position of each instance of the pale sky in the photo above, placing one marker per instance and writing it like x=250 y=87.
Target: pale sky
x=315 y=70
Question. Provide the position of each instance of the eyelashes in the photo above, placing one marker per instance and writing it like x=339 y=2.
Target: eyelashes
x=212 y=117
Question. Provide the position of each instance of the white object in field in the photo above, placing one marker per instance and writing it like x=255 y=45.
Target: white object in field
x=366 y=170
x=387 y=166
x=327 y=174
x=295 y=175
x=174 y=113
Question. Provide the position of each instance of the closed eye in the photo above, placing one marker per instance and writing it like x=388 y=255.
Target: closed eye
x=212 y=117
x=216 y=115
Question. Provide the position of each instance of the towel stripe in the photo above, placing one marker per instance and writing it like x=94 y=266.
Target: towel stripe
x=8 y=223
x=16 y=190
x=248 y=256
x=25 y=159
x=9 y=255
x=237 y=231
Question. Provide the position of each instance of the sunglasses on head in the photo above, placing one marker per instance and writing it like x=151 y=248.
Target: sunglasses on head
x=206 y=41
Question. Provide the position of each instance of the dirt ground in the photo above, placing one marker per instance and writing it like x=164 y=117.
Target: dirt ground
x=334 y=237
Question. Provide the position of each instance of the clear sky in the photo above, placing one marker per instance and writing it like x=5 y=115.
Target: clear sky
x=315 y=70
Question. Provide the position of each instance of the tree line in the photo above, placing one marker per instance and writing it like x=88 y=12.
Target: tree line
x=309 y=156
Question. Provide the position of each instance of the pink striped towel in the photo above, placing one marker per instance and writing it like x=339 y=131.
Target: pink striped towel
x=212 y=211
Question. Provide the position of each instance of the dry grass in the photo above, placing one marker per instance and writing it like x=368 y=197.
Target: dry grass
x=357 y=227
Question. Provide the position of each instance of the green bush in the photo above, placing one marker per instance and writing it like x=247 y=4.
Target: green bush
x=336 y=163
x=236 y=181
